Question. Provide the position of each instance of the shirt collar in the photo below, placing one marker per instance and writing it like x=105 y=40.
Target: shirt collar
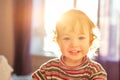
x=83 y=63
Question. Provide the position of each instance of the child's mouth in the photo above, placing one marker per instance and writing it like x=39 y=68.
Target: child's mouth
x=74 y=52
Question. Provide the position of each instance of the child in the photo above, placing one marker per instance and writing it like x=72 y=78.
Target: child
x=5 y=69
x=75 y=37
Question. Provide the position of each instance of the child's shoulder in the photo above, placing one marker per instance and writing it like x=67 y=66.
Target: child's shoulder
x=51 y=62
x=96 y=65
x=54 y=60
x=93 y=62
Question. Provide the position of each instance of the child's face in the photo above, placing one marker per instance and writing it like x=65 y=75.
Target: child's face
x=74 y=44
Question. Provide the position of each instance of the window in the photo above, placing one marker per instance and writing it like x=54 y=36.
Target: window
x=43 y=44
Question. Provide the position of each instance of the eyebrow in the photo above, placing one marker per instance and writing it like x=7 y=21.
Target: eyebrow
x=79 y=34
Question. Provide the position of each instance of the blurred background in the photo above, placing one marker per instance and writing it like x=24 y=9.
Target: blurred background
x=26 y=29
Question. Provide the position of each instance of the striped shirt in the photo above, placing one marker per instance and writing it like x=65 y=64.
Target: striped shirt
x=55 y=69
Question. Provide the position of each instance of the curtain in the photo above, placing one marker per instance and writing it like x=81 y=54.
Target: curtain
x=109 y=55
x=22 y=34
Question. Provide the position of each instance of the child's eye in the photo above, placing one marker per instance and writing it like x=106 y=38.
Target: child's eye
x=81 y=38
x=66 y=38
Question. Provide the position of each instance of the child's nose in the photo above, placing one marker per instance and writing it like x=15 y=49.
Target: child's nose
x=74 y=43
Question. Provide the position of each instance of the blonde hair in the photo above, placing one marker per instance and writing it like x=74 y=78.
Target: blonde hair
x=71 y=18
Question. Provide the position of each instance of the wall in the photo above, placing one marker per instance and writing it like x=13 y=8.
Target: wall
x=6 y=30
x=7 y=36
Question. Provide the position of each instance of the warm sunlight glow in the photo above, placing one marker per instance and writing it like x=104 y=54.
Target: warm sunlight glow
x=53 y=11
x=45 y=15
x=90 y=7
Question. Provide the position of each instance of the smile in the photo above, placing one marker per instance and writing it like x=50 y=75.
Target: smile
x=74 y=52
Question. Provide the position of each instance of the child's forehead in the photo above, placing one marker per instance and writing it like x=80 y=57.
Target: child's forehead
x=75 y=26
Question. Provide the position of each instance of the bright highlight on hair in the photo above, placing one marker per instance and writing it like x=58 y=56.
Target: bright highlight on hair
x=70 y=19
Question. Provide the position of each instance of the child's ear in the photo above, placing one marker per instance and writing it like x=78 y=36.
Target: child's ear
x=92 y=37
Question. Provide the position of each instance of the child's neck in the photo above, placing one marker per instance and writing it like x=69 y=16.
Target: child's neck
x=72 y=63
